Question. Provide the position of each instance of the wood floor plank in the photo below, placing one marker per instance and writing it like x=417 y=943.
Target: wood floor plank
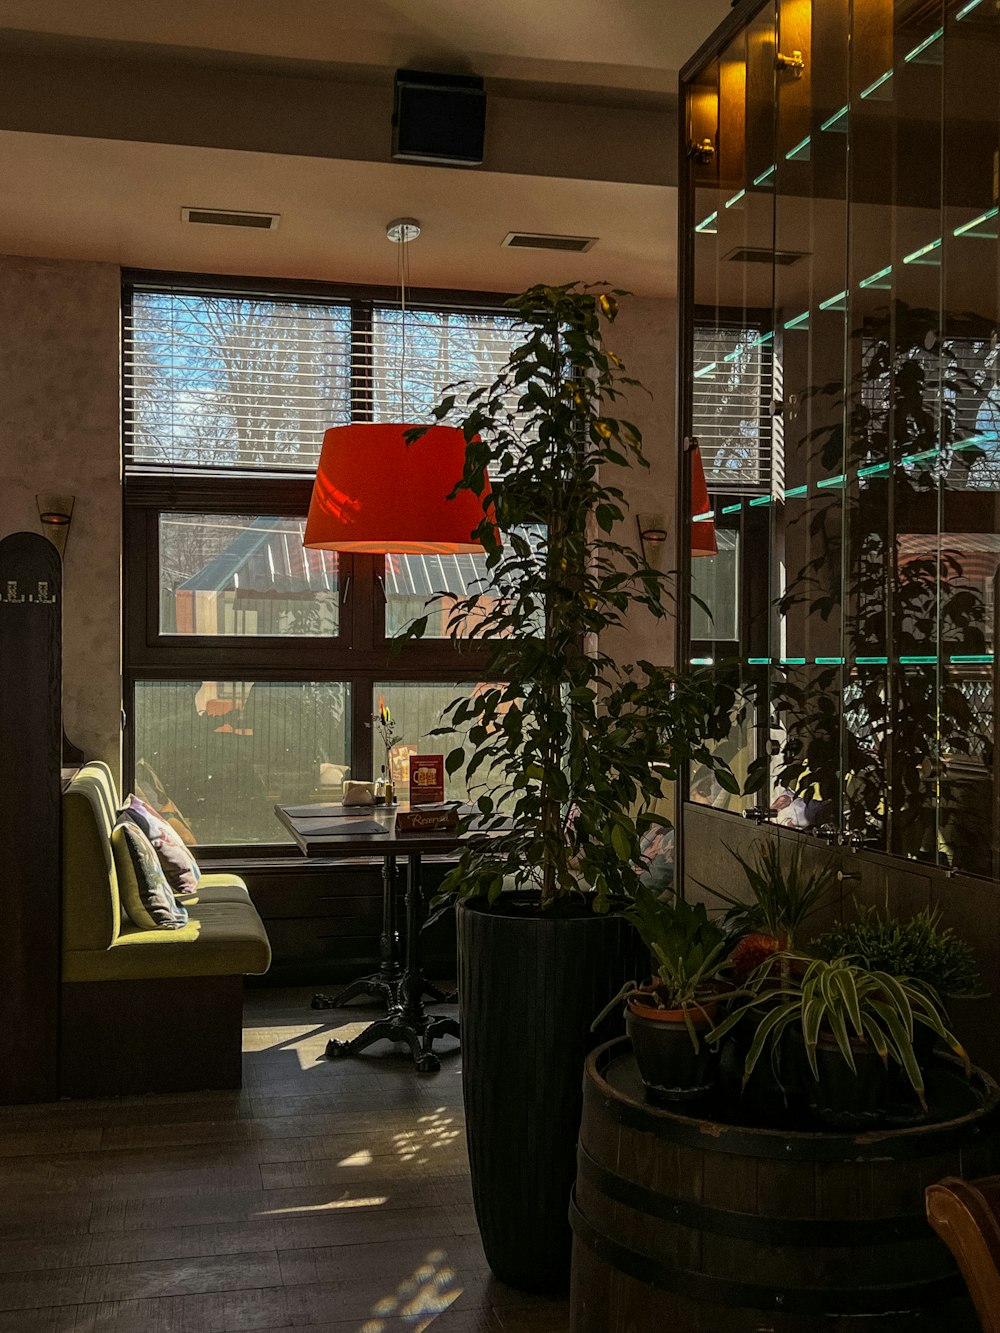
x=356 y=1226
x=331 y=1196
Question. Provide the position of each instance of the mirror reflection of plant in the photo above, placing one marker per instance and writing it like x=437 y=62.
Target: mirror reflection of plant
x=570 y=736
x=873 y=739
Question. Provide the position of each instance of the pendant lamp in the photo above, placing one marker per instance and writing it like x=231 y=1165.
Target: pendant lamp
x=376 y=494
x=703 y=540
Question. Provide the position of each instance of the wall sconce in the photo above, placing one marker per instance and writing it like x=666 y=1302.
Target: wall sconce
x=791 y=63
x=652 y=537
x=701 y=151
x=54 y=515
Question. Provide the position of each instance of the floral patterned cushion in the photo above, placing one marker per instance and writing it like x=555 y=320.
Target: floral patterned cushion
x=145 y=894
x=179 y=866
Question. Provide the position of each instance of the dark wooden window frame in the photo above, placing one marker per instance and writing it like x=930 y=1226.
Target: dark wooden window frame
x=359 y=655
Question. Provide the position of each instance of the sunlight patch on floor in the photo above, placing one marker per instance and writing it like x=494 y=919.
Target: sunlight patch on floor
x=374 y=1202
x=420 y=1298
x=278 y=1038
x=436 y=1130
x=361 y=1158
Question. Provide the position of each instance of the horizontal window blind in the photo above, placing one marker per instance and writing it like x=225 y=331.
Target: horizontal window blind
x=222 y=381
x=732 y=391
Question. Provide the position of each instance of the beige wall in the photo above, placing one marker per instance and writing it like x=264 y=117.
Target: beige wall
x=59 y=432
x=644 y=336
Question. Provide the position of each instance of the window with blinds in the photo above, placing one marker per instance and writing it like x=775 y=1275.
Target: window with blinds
x=732 y=391
x=218 y=381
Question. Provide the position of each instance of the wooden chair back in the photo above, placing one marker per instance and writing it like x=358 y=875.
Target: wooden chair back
x=966 y=1215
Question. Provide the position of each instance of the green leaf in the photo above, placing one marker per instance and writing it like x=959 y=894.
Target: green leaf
x=455 y=760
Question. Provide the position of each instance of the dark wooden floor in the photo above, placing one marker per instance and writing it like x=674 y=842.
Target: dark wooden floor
x=331 y=1196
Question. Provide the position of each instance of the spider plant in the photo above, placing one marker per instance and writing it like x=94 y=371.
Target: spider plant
x=840 y=998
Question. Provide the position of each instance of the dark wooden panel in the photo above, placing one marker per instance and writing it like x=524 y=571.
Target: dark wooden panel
x=30 y=757
x=324 y=920
x=171 y=1034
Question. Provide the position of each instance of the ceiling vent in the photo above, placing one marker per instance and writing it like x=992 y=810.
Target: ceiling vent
x=745 y=254
x=532 y=240
x=228 y=217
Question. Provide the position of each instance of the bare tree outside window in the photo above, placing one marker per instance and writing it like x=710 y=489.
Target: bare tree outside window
x=220 y=381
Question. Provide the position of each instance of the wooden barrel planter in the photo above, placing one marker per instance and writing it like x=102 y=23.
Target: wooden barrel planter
x=699 y=1226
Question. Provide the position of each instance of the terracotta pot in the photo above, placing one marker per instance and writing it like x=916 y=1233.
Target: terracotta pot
x=702 y=1017
x=669 y=1066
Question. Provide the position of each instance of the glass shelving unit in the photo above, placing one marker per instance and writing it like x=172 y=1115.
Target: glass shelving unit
x=840 y=186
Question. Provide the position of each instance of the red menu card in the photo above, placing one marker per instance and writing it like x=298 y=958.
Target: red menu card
x=426 y=778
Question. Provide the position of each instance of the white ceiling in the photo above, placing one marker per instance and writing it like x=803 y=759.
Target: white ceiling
x=117 y=198
x=627 y=44
x=120 y=202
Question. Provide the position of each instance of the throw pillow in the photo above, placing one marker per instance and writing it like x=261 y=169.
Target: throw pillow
x=145 y=894
x=179 y=866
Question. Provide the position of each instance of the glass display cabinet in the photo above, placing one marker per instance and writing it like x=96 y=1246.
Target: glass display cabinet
x=840 y=373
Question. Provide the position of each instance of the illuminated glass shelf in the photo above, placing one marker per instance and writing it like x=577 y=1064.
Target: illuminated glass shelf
x=864 y=473
x=916 y=659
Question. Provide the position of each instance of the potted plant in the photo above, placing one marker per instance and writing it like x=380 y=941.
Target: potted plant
x=850 y=1022
x=783 y=896
x=920 y=948
x=667 y=1017
x=576 y=746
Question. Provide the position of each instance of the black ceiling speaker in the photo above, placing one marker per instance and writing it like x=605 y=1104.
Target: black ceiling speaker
x=438 y=118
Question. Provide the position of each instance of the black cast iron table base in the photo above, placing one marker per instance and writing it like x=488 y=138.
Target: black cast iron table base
x=419 y=1033
x=407 y=1021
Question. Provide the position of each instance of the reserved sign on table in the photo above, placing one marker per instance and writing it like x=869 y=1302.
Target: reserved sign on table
x=433 y=819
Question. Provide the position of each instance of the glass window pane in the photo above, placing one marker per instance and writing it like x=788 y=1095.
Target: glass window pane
x=715 y=581
x=732 y=382
x=416 y=708
x=237 y=574
x=222 y=381
x=412 y=581
x=217 y=755
x=420 y=353
x=417 y=585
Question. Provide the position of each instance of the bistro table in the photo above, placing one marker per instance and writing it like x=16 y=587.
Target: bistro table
x=326 y=833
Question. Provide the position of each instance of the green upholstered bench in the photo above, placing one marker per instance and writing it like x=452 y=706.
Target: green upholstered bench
x=146 y=1010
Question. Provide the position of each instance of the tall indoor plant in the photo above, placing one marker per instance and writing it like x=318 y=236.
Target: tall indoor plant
x=576 y=747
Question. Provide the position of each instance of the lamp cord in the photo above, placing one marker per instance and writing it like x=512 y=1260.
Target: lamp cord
x=403 y=272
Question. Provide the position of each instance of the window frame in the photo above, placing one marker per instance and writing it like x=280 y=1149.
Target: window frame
x=359 y=655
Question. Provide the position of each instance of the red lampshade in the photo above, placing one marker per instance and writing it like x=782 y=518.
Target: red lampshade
x=703 y=540
x=375 y=493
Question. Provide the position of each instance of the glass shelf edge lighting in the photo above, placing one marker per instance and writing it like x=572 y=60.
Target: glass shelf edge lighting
x=839 y=226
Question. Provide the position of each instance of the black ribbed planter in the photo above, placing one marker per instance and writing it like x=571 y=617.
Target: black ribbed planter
x=529 y=988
